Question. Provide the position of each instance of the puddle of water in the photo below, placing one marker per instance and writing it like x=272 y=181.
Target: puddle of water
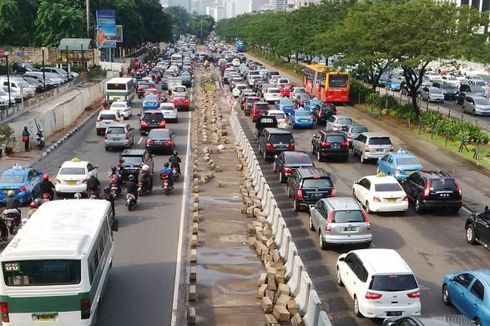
x=230 y=256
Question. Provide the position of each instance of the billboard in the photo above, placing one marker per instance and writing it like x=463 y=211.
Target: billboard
x=105 y=37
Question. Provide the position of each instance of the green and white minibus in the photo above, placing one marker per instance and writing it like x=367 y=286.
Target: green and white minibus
x=55 y=269
x=120 y=89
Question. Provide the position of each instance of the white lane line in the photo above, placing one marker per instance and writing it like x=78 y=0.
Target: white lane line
x=181 y=228
x=140 y=140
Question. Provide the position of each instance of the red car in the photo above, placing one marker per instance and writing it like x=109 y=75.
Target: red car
x=259 y=109
x=181 y=102
x=153 y=91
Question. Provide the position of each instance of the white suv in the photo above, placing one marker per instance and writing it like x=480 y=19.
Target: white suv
x=380 y=283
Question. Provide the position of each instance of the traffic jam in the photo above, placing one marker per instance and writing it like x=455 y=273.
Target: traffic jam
x=341 y=175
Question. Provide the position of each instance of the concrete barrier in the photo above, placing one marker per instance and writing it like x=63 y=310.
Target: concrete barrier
x=302 y=294
x=312 y=315
x=278 y=228
x=272 y=212
x=323 y=319
x=288 y=266
x=284 y=243
x=295 y=279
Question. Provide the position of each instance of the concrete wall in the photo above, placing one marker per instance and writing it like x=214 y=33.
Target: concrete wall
x=59 y=117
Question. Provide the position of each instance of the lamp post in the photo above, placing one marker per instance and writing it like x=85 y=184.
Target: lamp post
x=8 y=74
x=83 y=63
x=67 y=64
x=44 y=73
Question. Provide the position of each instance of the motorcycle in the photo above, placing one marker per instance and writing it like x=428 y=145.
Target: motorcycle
x=130 y=201
x=175 y=174
x=115 y=188
x=40 y=139
x=11 y=220
x=93 y=194
x=165 y=183
x=142 y=189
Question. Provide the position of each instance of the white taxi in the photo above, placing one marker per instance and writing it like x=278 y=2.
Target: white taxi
x=169 y=112
x=123 y=107
x=380 y=193
x=73 y=176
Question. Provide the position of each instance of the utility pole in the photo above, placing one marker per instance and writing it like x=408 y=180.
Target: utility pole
x=87 y=5
x=201 y=29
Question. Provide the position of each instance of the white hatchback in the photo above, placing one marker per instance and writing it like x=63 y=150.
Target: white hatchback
x=123 y=107
x=380 y=282
x=73 y=176
x=380 y=193
x=169 y=112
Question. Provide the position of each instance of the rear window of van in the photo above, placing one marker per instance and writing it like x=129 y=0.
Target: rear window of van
x=393 y=283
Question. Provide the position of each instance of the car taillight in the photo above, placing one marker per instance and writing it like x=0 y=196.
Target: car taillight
x=161 y=123
x=333 y=193
x=144 y=123
x=328 y=228
x=414 y=295
x=345 y=144
x=376 y=199
x=287 y=170
x=299 y=194
x=292 y=147
x=427 y=189
x=22 y=189
x=458 y=187
x=149 y=142
x=168 y=142
x=269 y=147
x=367 y=149
x=324 y=144
x=373 y=295
x=4 y=308
x=85 y=308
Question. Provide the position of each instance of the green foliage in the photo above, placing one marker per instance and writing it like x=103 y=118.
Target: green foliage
x=202 y=25
x=358 y=92
x=181 y=20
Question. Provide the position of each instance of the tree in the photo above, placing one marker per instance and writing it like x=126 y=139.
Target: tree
x=56 y=20
x=181 y=20
x=9 y=19
x=202 y=25
x=157 y=23
x=128 y=14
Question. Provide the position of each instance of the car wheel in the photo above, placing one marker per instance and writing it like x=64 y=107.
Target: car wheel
x=477 y=321
x=445 y=295
x=323 y=244
x=418 y=206
x=311 y=223
x=367 y=209
x=470 y=234
x=339 y=278
x=356 y=308
x=106 y=148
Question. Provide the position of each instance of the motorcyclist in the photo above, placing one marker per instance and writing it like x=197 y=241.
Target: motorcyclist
x=115 y=177
x=110 y=198
x=132 y=187
x=175 y=161
x=167 y=170
x=12 y=204
x=144 y=177
x=47 y=187
x=93 y=185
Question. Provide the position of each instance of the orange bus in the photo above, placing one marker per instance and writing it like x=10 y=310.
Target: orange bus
x=328 y=86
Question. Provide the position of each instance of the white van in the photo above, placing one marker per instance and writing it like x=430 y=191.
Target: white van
x=55 y=269
x=19 y=85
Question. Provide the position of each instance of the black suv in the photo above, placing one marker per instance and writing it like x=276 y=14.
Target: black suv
x=331 y=145
x=151 y=119
x=133 y=159
x=478 y=228
x=433 y=190
x=308 y=185
x=273 y=141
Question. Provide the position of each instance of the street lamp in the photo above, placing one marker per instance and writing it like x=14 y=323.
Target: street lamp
x=8 y=74
x=83 y=63
x=67 y=64
x=44 y=73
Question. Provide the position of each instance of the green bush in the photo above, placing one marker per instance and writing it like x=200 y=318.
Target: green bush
x=358 y=92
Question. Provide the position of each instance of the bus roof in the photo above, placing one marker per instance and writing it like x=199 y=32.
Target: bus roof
x=322 y=68
x=119 y=80
x=59 y=229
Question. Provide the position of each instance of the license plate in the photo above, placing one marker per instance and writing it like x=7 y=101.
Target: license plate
x=316 y=195
x=391 y=200
x=380 y=150
x=44 y=316
x=71 y=182
x=116 y=139
x=350 y=229
x=393 y=313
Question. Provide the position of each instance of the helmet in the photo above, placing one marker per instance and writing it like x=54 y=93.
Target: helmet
x=78 y=195
x=131 y=178
x=107 y=189
x=113 y=169
x=175 y=153
x=38 y=201
x=45 y=176
x=33 y=204
x=145 y=167
x=166 y=165
x=10 y=193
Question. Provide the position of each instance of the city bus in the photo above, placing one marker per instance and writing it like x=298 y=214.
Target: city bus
x=240 y=46
x=55 y=269
x=328 y=86
x=120 y=89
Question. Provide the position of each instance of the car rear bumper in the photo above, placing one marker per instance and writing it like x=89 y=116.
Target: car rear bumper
x=120 y=143
x=81 y=188
x=347 y=239
x=441 y=204
x=370 y=310
x=389 y=207
x=159 y=148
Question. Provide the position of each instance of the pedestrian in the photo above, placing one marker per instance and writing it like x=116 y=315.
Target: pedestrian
x=26 y=135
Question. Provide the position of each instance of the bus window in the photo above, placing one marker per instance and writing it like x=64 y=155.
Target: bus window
x=338 y=80
x=42 y=272
x=321 y=78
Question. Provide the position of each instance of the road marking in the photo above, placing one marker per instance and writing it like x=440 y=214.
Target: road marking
x=140 y=140
x=181 y=228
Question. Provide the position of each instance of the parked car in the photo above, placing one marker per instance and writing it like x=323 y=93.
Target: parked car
x=476 y=105
x=340 y=220
x=331 y=145
x=23 y=181
x=467 y=291
x=431 y=94
x=433 y=190
x=118 y=135
x=448 y=320
x=286 y=162
x=160 y=140
x=151 y=119
x=380 y=282
x=371 y=145
x=450 y=91
x=72 y=176
x=273 y=141
x=123 y=107
x=301 y=119
x=104 y=119
x=338 y=122
x=477 y=228
x=353 y=131
x=306 y=186
x=400 y=164
x=380 y=193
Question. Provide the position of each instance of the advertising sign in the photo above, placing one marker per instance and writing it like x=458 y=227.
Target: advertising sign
x=106 y=29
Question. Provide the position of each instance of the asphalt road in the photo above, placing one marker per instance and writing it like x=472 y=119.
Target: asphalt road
x=141 y=284
x=432 y=244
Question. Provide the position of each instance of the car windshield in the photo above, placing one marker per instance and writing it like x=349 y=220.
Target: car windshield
x=42 y=272
x=179 y=89
x=11 y=178
x=115 y=131
x=359 y=129
x=392 y=186
x=320 y=183
x=393 y=283
x=443 y=184
x=481 y=101
x=281 y=138
x=348 y=216
x=107 y=116
x=344 y=121
x=407 y=161
x=379 y=141
x=286 y=102
x=132 y=160
x=435 y=90
x=72 y=171
x=274 y=91
x=298 y=159
x=279 y=116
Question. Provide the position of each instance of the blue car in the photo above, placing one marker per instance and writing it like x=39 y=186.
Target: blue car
x=469 y=292
x=23 y=181
x=393 y=85
x=400 y=164
x=301 y=118
x=151 y=102
x=286 y=105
